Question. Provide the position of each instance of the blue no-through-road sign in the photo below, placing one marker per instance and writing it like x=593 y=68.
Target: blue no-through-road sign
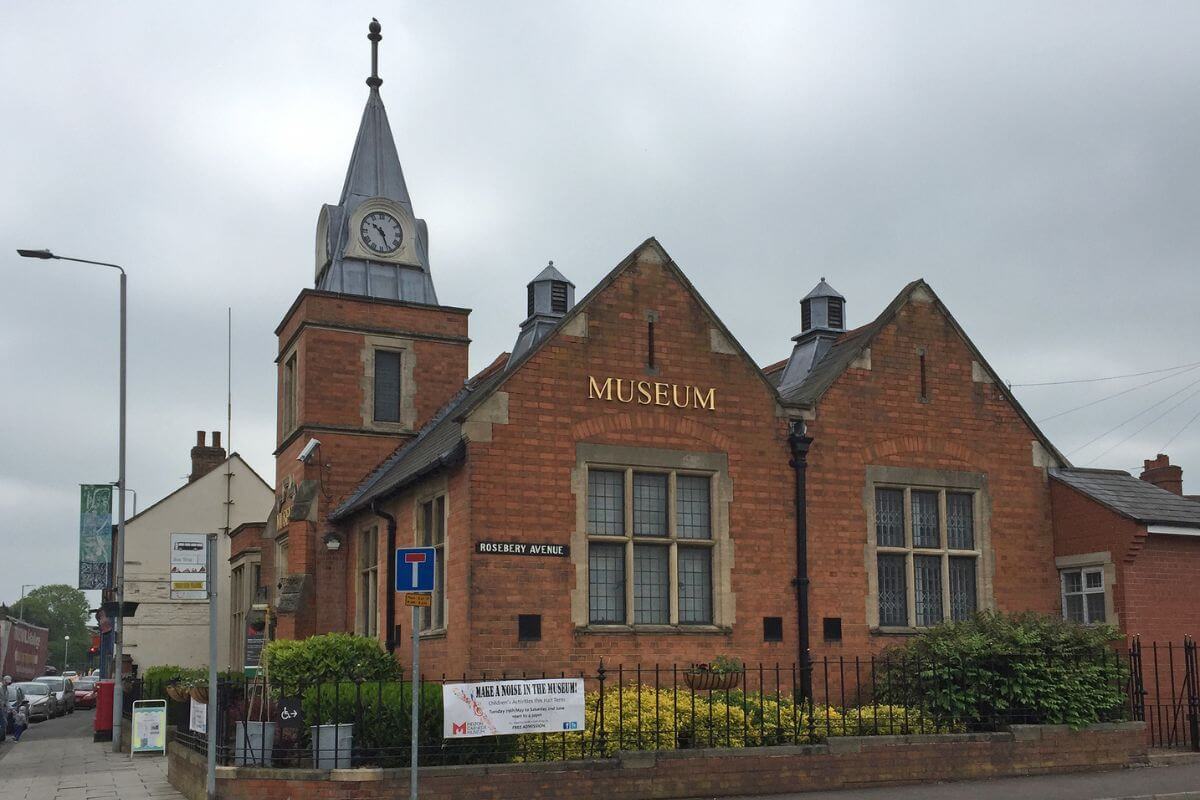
x=414 y=569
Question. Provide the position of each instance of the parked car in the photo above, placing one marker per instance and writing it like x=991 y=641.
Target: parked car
x=64 y=692
x=70 y=673
x=43 y=703
x=85 y=693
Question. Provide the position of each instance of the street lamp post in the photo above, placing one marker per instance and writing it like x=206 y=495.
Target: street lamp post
x=25 y=586
x=119 y=556
x=66 y=651
x=134 y=493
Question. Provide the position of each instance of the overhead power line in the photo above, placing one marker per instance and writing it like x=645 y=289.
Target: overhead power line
x=1147 y=425
x=1117 y=394
x=1128 y=420
x=1109 y=378
x=1175 y=436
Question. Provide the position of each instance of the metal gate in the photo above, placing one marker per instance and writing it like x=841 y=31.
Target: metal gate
x=1165 y=692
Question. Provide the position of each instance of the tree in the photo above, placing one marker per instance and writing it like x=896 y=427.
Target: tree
x=64 y=610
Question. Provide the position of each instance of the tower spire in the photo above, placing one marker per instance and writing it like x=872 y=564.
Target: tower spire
x=375 y=36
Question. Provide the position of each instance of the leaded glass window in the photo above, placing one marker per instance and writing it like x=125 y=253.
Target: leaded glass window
x=889 y=517
x=649 y=504
x=960 y=521
x=433 y=534
x=660 y=571
x=606 y=582
x=925 y=519
x=606 y=502
x=651 y=585
x=927 y=586
x=692 y=506
x=963 y=597
x=893 y=594
x=919 y=582
x=387 y=386
x=695 y=585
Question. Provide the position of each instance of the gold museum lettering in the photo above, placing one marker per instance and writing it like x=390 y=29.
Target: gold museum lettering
x=655 y=393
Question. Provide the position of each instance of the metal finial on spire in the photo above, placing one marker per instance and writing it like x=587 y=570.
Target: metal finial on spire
x=374 y=81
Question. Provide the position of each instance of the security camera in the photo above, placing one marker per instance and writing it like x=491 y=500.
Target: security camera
x=307 y=452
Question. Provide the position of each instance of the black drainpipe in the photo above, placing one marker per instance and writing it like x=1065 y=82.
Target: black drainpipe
x=800 y=443
x=390 y=594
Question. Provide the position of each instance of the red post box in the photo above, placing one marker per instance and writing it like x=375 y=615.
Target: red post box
x=102 y=719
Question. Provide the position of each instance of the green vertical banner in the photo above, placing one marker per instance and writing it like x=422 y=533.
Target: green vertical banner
x=95 y=535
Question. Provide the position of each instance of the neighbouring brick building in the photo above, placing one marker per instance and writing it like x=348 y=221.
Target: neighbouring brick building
x=1129 y=549
x=627 y=483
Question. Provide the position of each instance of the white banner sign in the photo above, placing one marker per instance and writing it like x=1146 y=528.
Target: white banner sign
x=189 y=566
x=198 y=721
x=489 y=708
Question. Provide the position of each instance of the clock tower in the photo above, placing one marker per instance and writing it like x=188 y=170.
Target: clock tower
x=365 y=360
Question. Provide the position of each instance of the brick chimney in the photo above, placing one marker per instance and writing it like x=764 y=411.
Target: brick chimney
x=205 y=459
x=1163 y=474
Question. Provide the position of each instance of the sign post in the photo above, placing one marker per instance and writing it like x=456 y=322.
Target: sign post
x=213 y=689
x=415 y=577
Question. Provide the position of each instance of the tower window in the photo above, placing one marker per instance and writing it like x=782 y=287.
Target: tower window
x=387 y=386
x=289 y=394
x=805 y=315
x=558 y=297
x=530 y=312
x=835 y=314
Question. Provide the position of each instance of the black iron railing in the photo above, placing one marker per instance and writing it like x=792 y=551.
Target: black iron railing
x=1165 y=693
x=345 y=723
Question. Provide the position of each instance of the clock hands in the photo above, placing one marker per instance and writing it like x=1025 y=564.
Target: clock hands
x=382 y=235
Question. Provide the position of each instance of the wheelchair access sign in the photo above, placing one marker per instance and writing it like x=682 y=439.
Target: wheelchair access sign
x=414 y=569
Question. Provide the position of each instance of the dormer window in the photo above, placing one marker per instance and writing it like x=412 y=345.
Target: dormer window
x=805 y=316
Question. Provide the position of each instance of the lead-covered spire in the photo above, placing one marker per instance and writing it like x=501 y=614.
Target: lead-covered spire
x=371 y=242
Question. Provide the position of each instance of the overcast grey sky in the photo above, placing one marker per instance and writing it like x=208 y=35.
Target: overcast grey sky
x=1036 y=163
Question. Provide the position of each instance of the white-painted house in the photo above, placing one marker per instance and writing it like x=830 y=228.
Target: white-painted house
x=221 y=494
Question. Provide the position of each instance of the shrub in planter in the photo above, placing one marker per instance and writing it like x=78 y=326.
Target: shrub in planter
x=1008 y=668
x=722 y=674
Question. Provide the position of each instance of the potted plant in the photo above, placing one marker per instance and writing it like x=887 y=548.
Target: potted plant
x=176 y=691
x=199 y=691
x=722 y=673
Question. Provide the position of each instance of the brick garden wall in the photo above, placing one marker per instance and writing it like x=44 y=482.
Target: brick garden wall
x=845 y=762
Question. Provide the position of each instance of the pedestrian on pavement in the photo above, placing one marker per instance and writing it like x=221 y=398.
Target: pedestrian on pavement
x=21 y=722
x=8 y=709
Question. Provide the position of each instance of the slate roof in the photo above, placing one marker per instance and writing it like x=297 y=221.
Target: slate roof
x=440 y=443
x=851 y=345
x=1132 y=497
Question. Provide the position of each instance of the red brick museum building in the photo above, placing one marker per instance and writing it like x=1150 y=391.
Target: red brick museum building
x=628 y=483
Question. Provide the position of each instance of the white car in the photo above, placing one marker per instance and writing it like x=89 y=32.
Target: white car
x=42 y=702
x=64 y=692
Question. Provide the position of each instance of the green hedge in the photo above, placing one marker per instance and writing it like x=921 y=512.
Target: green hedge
x=1009 y=668
x=332 y=656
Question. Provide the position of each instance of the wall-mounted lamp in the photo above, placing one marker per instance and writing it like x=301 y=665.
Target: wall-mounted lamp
x=333 y=542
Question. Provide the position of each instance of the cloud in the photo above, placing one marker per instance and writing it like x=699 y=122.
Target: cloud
x=1036 y=163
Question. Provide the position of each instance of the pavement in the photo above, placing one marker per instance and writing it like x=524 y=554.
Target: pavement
x=57 y=760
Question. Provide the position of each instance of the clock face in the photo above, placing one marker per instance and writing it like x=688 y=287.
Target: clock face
x=381 y=232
